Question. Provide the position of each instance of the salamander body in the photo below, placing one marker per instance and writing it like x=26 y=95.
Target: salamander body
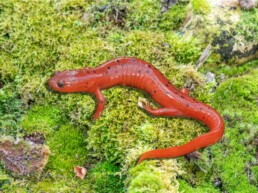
x=139 y=74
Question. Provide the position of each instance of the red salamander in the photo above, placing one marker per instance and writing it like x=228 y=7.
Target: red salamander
x=139 y=74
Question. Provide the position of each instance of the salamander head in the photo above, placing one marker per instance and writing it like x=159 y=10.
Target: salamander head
x=70 y=81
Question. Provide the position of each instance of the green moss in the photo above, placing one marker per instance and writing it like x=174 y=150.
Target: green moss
x=152 y=177
x=248 y=25
x=242 y=93
x=106 y=178
x=68 y=149
x=48 y=185
x=148 y=181
x=5 y=180
x=10 y=111
x=43 y=119
x=201 y=6
x=144 y=15
x=241 y=127
x=203 y=188
x=185 y=50
x=237 y=70
x=173 y=18
x=147 y=15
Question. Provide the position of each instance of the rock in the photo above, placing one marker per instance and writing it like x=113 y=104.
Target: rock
x=247 y=4
x=230 y=31
x=22 y=157
x=210 y=77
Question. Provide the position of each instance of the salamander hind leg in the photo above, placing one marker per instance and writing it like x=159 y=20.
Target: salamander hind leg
x=164 y=111
x=100 y=104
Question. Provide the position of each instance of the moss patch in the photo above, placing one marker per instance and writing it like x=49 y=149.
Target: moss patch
x=152 y=177
x=107 y=178
x=10 y=111
x=201 y=6
x=230 y=165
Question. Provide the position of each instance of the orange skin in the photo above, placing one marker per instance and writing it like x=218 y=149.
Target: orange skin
x=139 y=74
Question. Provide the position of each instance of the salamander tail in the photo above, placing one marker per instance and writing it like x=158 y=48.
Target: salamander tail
x=207 y=139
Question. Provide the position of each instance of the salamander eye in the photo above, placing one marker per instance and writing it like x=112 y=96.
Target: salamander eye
x=60 y=84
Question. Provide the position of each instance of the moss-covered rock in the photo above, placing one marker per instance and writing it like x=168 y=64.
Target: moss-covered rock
x=231 y=32
x=230 y=165
x=41 y=37
x=154 y=177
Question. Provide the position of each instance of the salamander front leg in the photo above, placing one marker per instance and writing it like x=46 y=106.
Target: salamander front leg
x=164 y=111
x=101 y=101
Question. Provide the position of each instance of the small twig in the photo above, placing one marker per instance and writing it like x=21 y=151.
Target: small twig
x=40 y=85
x=205 y=55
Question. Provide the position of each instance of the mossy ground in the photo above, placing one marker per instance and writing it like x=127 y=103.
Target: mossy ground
x=41 y=37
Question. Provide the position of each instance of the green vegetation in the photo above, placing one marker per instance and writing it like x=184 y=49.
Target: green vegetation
x=10 y=111
x=232 y=71
x=248 y=25
x=201 y=6
x=240 y=161
x=107 y=178
x=41 y=37
x=154 y=176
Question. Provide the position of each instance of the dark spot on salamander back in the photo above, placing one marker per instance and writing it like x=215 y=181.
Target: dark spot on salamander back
x=139 y=71
x=147 y=71
x=154 y=91
x=108 y=68
x=187 y=105
x=149 y=66
x=94 y=71
x=182 y=96
x=117 y=61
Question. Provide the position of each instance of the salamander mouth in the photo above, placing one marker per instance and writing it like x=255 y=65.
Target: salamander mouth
x=48 y=86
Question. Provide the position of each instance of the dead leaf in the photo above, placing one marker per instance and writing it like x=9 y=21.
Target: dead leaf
x=80 y=171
